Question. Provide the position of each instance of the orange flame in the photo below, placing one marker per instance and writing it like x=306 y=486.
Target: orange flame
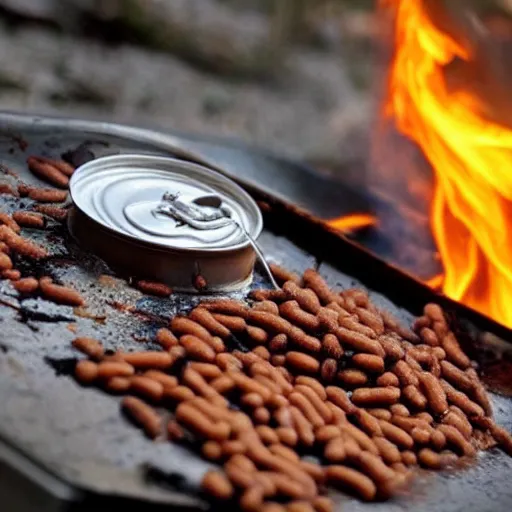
x=469 y=149
x=353 y=222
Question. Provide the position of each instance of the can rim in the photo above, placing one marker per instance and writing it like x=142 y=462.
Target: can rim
x=241 y=196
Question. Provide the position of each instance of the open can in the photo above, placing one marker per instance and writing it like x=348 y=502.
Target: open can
x=165 y=220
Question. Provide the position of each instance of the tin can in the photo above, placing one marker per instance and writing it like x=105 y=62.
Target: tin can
x=166 y=220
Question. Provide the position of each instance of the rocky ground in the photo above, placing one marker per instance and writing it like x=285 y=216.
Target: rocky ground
x=203 y=66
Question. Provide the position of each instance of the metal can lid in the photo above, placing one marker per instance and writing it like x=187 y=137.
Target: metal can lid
x=169 y=203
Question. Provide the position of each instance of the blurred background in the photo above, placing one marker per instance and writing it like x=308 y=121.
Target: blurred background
x=296 y=76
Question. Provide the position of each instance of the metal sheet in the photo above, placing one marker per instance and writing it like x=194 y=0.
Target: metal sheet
x=76 y=435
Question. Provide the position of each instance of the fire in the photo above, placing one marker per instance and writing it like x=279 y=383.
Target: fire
x=439 y=96
x=353 y=222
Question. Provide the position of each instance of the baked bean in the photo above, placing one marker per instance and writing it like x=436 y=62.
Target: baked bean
x=328 y=319
x=86 y=371
x=375 y=397
x=307 y=299
x=60 y=294
x=429 y=337
x=227 y=307
x=197 y=348
x=438 y=440
x=109 y=369
x=359 y=342
x=334 y=450
x=405 y=374
x=392 y=348
x=179 y=393
x=203 y=317
x=329 y=370
x=167 y=381
x=166 y=338
x=387 y=379
x=456 y=377
x=302 y=427
x=149 y=359
x=215 y=484
x=313 y=384
x=257 y=334
x=434 y=393
x=332 y=347
x=371 y=319
x=399 y=410
x=197 y=421
x=89 y=346
x=432 y=460
x=369 y=362
x=293 y=312
x=26 y=285
x=373 y=467
x=396 y=435
x=387 y=450
x=278 y=343
x=381 y=414
x=185 y=326
x=266 y=305
x=29 y=219
x=338 y=397
x=368 y=423
x=118 y=385
x=302 y=362
x=9 y=222
x=454 y=353
x=315 y=401
x=314 y=281
x=414 y=397
x=287 y=436
x=154 y=288
x=457 y=440
x=9 y=273
x=352 y=378
x=144 y=415
x=351 y=480
x=409 y=458
x=21 y=245
x=306 y=407
x=325 y=433
x=54 y=212
x=148 y=388
x=364 y=441
x=233 y=323
x=461 y=400
x=267 y=434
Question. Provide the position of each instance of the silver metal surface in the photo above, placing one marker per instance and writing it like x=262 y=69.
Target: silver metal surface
x=166 y=219
x=125 y=193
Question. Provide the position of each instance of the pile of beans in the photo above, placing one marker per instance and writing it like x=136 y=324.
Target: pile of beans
x=333 y=392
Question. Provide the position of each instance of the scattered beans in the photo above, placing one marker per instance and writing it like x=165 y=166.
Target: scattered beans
x=60 y=294
x=411 y=399
x=55 y=212
x=43 y=169
x=29 y=219
x=153 y=288
x=144 y=415
x=21 y=245
x=26 y=285
x=89 y=346
x=9 y=222
x=47 y=195
x=10 y=273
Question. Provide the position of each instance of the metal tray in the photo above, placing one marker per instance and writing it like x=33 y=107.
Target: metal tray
x=64 y=447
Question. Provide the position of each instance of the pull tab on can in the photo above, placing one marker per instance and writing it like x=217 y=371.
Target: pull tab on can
x=202 y=221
